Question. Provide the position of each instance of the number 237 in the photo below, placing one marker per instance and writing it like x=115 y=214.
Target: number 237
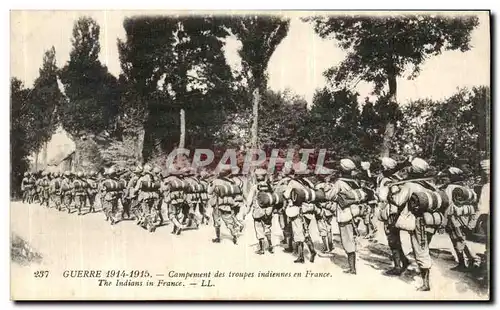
x=41 y=274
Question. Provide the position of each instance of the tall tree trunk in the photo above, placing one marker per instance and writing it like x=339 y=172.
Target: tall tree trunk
x=182 y=140
x=255 y=123
x=44 y=156
x=389 y=126
x=36 y=160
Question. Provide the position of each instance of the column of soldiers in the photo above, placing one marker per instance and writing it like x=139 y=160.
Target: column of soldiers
x=406 y=195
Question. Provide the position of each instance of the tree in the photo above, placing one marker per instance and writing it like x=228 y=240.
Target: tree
x=449 y=132
x=382 y=49
x=259 y=35
x=20 y=146
x=334 y=122
x=45 y=100
x=92 y=92
x=283 y=117
x=178 y=64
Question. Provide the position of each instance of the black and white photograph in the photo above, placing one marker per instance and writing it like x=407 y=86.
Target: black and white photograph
x=240 y=155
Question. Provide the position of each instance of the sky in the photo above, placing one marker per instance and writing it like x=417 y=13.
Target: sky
x=297 y=64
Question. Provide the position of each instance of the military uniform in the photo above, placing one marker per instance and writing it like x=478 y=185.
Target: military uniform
x=172 y=188
x=66 y=191
x=130 y=201
x=389 y=214
x=420 y=236
x=457 y=223
x=301 y=220
x=284 y=221
x=345 y=221
x=324 y=220
x=55 y=191
x=27 y=186
x=92 y=189
x=223 y=208
x=44 y=185
x=79 y=187
x=147 y=187
x=111 y=193
x=262 y=215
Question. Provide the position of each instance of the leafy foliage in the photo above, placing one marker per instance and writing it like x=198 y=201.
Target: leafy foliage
x=92 y=91
x=379 y=48
x=20 y=146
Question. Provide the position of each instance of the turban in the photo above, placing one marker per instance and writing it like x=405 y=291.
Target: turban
x=419 y=165
x=388 y=163
x=347 y=164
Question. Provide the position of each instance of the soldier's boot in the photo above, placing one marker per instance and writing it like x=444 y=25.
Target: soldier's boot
x=425 y=273
x=260 y=251
x=217 y=235
x=174 y=230
x=461 y=263
x=330 y=242
x=284 y=240
x=300 y=250
x=396 y=270
x=312 y=251
x=351 y=260
x=269 y=244
x=235 y=239
x=289 y=248
x=325 y=245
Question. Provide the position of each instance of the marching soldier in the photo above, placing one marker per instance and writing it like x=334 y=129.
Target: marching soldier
x=148 y=197
x=420 y=236
x=44 y=184
x=222 y=203
x=345 y=221
x=159 y=202
x=389 y=213
x=202 y=206
x=172 y=189
x=262 y=214
x=456 y=224
x=79 y=187
x=55 y=190
x=27 y=185
x=325 y=218
x=301 y=215
x=66 y=191
x=111 y=192
x=92 y=189
x=130 y=202
x=280 y=186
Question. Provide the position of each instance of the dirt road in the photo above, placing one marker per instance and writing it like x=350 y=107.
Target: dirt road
x=68 y=242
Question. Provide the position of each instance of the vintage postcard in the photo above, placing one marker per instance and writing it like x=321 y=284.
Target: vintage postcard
x=299 y=155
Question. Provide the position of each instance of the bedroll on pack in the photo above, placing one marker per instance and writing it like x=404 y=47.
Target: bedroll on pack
x=111 y=185
x=464 y=210
x=266 y=199
x=223 y=190
x=177 y=185
x=65 y=187
x=149 y=185
x=300 y=195
x=196 y=188
x=354 y=196
x=428 y=201
x=434 y=219
x=462 y=195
